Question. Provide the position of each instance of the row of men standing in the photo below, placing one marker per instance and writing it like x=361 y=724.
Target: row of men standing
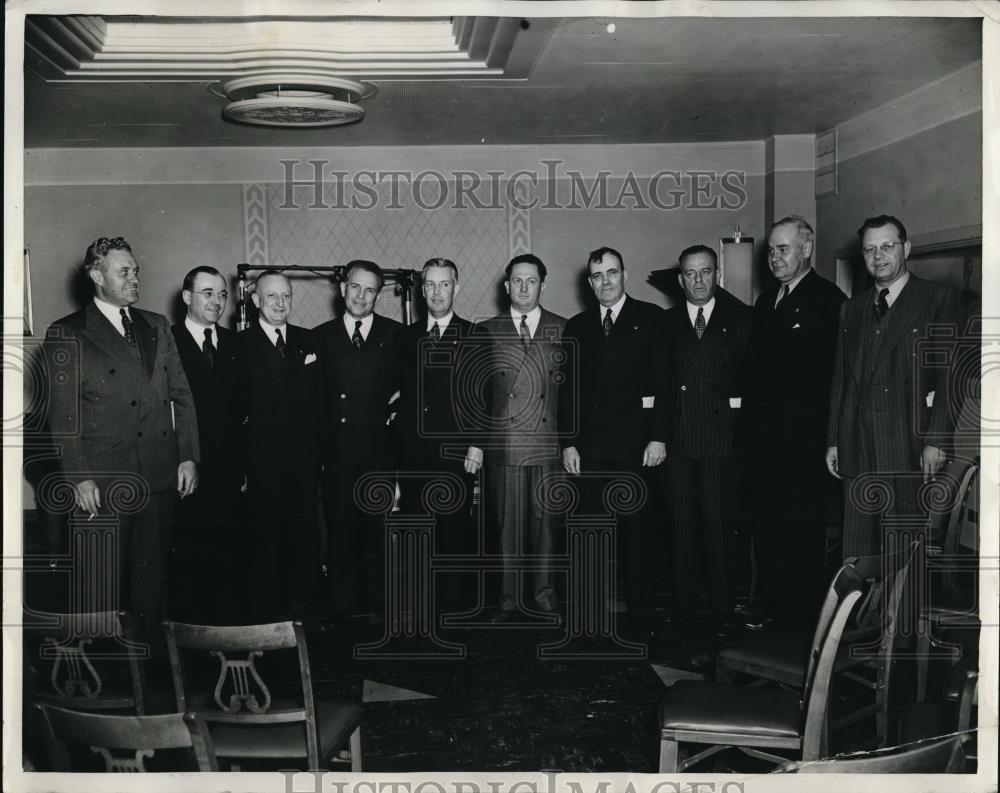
x=618 y=389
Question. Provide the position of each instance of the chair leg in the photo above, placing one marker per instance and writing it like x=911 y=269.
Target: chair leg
x=356 y=750
x=668 y=755
x=923 y=656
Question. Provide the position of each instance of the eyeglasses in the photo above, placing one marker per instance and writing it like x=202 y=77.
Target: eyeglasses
x=886 y=248
x=208 y=294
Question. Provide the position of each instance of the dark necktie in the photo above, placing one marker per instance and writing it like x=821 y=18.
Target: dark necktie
x=129 y=328
x=280 y=344
x=699 y=323
x=208 y=348
x=882 y=305
x=356 y=337
x=608 y=324
x=525 y=333
x=435 y=333
x=782 y=295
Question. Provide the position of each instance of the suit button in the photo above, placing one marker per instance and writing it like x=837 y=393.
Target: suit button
x=426 y=409
x=510 y=395
x=164 y=402
x=113 y=371
x=343 y=396
x=684 y=388
x=140 y=434
x=164 y=432
x=343 y=420
x=134 y=403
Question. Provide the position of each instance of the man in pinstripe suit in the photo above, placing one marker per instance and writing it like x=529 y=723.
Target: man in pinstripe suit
x=709 y=334
x=890 y=407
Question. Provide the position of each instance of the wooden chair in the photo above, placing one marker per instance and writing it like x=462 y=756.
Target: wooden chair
x=949 y=604
x=89 y=661
x=139 y=736
x=782 y=656
x=746 y=717
x=244 y=719
x=940 y=756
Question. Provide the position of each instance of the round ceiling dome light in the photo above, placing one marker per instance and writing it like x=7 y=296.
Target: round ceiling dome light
x=295 y=100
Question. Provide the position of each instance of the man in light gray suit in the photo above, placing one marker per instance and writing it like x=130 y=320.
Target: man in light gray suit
x=522 y=444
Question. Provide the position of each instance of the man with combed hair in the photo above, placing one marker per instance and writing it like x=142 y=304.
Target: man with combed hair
x=117 y=430
x=613 y=416
x=890 y=412
x=359 y=379
x=792 y=342
x=279 y=387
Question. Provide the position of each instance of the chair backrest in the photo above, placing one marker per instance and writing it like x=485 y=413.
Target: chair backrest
x=79 y=659
x=844 y=593
x=240 y=694
x=139 y=736
x=952 y=485
x=942 y=755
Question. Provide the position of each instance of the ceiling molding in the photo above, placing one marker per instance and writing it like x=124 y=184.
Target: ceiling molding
x=143 y=49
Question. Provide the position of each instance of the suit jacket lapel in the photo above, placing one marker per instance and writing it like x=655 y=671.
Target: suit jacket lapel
x=147 y=337
x=103 y=334
x=905 y=310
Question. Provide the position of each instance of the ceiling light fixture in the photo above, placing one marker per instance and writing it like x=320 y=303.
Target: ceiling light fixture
x=293 y=100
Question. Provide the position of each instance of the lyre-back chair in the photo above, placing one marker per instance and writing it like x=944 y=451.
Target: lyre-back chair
x=749 y=717
x=245 y=719
x=125 y=743
x=939 y=756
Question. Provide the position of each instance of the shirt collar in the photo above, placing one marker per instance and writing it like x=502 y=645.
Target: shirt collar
x=795 y=281
x=442 y=323
x=272 y=331
x=534 y=316
x=197 y=331
x=350 y=323
x=894 y=288
x=615 y=309
x=706 y=310
x=112 y=313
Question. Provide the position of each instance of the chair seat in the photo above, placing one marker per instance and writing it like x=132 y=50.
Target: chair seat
x=954 y=600
x=335 y=722
x=111 y=698
x=922 y=720
x=780 y=656
x=697 y=706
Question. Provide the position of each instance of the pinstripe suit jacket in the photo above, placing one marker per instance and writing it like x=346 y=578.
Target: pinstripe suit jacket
x=704 y=376
x=887 y=394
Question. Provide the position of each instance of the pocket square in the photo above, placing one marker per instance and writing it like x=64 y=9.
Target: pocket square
x=648 y=402
x=735 y=402
x=929 y=399
x=310 y=358
x=796 y=325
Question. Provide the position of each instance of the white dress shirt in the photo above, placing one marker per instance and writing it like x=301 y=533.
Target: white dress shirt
x=534 y=317
x=198 y=332
x=443 y=322
x=366 y=325
x=272 y=331
x=615 y=310
x=791 y=285
x=706 y=311
x=113 y=314
x=894 y=288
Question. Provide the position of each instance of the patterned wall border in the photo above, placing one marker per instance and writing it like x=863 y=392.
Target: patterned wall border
x=519 y=217
x=255 y=225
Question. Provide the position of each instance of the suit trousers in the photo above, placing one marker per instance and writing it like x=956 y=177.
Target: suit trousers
x=284 y=552
x=355 y=551
x=637 y=541
x=788 y=513
x=527 y=531
x=701 y=496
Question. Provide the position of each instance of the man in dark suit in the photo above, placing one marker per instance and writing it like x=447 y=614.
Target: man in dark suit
x=792 y=342
x=890 y=410
x=130 y=427
x=208 y=545
x=522 y=361
x=434 y=435
x=359 y=378
x=613 y=413
x=709 y=335
x=279 y=386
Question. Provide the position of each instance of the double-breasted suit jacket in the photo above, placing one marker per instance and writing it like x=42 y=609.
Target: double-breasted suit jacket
x=614 y=399
x=706 y=378
x=119 y=419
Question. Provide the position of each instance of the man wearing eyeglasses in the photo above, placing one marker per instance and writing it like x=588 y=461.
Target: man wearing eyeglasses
x=793 y=338
x=890 y=409
x=203 y=536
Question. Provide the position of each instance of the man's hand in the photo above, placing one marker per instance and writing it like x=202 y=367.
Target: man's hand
x=831 y=462
x=571 y=460
x=655 y=453
x=473 y=460
x=931 y=460
x=88 y=496
x=187 y=478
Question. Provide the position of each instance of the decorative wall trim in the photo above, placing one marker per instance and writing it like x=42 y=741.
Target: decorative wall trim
x=519 y=218
x=952 y=97
x=255 y=224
